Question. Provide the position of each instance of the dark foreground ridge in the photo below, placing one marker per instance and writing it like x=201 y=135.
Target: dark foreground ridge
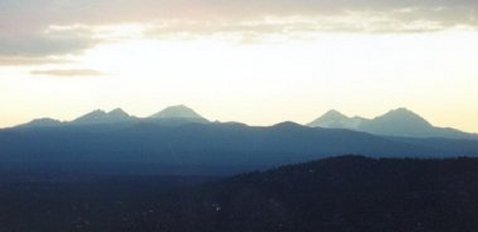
x=350 y=193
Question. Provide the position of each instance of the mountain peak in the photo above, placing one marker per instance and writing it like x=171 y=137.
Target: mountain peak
x=333 y=115
x=94 y=114
x=401 y=122
x=101 y=116
x=335 y=119
x=178 y=111
x=404 y=115
x=287 y=124
x=402 y=110
x=178 y=115
x=43 y=122
x=118 y=112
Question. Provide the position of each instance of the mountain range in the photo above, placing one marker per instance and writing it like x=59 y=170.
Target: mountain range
x=400 y=122
x=179 y=141
x=173 y=115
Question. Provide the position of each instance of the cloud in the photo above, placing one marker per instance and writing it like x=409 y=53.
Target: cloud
x=67 y=72
x=106 y=12
x=30 y=14
x=29 y=31
x=399 y=21
x=42 y=46
x=23 y=61
x=350 y=22
x=52 y=40
x=49 y=45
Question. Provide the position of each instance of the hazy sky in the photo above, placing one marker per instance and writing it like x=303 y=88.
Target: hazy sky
x=255 y=61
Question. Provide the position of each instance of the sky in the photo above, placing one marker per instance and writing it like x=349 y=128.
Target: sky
x=255 y=61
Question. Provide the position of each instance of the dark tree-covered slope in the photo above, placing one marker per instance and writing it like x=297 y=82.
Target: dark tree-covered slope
x=350 y=193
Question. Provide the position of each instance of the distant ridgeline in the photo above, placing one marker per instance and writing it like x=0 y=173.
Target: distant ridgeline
x=177 y=140
x=400 y=122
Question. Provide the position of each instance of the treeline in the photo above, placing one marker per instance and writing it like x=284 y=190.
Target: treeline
x=349 y=193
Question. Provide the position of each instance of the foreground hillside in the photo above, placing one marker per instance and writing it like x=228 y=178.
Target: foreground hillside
x=337 y=194
x=350 y=193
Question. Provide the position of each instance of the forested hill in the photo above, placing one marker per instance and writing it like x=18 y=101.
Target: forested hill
x=350 y=193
